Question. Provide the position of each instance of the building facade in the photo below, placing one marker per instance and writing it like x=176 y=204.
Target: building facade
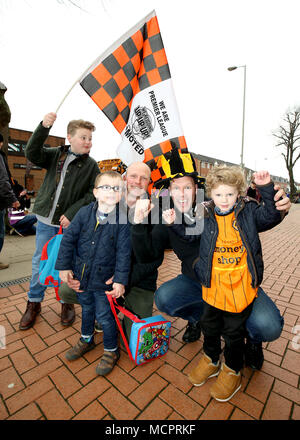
x=205 y=163
x=31 y=176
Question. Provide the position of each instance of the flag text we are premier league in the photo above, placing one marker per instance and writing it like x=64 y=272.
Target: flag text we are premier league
x=158 y=110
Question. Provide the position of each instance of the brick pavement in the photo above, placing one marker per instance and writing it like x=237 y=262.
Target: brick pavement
x=36 y=381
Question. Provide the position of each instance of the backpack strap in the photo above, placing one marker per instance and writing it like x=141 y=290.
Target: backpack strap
x=113 y=305
x=56 y=292
x=55 y=283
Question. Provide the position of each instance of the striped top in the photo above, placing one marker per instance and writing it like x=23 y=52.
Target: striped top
x=230 y=288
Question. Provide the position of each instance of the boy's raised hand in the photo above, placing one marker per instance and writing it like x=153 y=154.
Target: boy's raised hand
x=49 y=119
x=262 y=177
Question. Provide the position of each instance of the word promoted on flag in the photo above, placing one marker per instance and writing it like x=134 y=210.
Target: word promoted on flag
x=131 y=83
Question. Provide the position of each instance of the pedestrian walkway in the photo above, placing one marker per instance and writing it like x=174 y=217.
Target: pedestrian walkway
x=37 y=382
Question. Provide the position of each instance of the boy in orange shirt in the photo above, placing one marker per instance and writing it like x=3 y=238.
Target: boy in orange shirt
x=230 y=269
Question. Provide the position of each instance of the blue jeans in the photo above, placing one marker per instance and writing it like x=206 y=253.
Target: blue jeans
x=26 y=226
x=2 y=227
x=182 y=297
x=95 y=306
x=43 y=234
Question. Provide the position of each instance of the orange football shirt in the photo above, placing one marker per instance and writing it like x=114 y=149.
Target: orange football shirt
x=231 y=288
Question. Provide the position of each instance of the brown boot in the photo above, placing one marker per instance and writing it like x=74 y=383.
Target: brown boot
x=203 y=371
x=67 y=314
x=3 y=266
x=31 y=312
x=227 y=384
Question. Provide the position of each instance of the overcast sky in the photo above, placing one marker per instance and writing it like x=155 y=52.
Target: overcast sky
x=45 y=46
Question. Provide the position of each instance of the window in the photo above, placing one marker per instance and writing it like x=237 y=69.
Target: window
x=16 y=147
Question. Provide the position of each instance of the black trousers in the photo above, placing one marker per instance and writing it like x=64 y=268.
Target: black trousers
x=216 y=323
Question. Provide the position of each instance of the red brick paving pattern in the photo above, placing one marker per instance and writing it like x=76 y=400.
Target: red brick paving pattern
x=37 y=382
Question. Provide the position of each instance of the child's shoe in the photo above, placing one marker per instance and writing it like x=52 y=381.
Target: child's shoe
x=80 y=349
x=227 y=384
x=107 y=362
x=254 y=356
x=192 y=332
x=204 y=370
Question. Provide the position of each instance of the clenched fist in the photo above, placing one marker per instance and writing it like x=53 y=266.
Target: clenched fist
x=49 y=120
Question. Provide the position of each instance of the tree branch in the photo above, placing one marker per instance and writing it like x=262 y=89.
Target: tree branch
x=288 y=137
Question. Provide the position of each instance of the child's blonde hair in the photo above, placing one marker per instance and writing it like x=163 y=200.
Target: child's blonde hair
x=224 y=175
x=110 y=173
x=79 y=123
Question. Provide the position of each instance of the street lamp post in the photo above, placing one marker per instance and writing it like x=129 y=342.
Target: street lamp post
x=244 y=100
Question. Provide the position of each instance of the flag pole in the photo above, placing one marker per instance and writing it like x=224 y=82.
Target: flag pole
x=71 y=88
x=77 y=81
x=67 y=94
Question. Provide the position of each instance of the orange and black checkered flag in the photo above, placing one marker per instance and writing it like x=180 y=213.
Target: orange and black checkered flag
x=131 y=84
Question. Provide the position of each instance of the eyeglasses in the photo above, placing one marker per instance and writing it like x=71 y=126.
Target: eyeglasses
x=108 y=188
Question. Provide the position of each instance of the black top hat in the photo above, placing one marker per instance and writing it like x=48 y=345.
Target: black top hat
x=174 y=165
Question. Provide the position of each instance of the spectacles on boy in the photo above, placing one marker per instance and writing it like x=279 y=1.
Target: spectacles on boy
x=116 y=188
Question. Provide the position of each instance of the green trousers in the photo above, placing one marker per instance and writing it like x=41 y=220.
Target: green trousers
x=67 y=295
x=138 y=301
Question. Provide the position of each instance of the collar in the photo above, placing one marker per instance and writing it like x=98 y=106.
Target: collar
x=67 y=149
x=239 y=205
x=109 y=214
x=222 y=213
x=70 y=153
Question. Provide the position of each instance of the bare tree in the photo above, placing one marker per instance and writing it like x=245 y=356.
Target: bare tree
x=288 y=136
